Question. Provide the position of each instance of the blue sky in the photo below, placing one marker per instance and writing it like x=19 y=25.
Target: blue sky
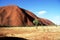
x=49 y=9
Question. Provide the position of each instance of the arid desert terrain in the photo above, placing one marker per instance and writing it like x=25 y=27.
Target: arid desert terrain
x=31 y=33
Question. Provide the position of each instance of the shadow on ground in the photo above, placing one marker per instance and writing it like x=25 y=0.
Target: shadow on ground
x=12 y=38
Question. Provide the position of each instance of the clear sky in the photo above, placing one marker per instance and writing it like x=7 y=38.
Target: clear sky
x=49 y=9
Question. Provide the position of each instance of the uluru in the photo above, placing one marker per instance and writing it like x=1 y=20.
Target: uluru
x=16 y=16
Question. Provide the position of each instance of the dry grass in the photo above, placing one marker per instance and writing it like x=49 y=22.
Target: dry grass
x=31 y=33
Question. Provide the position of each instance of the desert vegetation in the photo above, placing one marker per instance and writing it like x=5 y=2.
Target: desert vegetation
x=31 y=33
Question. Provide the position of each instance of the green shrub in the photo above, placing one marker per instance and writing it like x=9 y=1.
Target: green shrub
x=36 y=22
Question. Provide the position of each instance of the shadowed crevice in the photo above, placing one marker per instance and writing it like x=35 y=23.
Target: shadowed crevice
x=27 y=15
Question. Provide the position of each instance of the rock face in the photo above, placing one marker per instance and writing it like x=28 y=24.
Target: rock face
x=15 y=16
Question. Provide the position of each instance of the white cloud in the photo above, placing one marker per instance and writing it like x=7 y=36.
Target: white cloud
x=42 y=12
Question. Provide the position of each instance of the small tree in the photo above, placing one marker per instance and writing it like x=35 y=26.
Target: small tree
x=36 y=22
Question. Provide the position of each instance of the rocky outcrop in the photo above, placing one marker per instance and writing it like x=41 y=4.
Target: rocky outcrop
x=15 y=16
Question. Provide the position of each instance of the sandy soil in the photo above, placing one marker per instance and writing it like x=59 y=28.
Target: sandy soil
x=31 y=33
